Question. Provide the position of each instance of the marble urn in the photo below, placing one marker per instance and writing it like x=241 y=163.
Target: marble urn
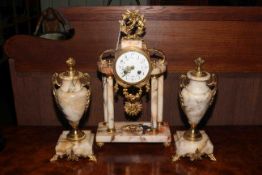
x=71 y=90
x=197 y=91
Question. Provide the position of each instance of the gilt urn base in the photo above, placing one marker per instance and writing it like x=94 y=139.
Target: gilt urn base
x=195 y=150
x=73 y=150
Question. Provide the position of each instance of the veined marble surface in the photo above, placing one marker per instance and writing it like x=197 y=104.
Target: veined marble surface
x=193 y=149
x=74 y=149
x=196 y=99
x=162 y=135
x=73 y=99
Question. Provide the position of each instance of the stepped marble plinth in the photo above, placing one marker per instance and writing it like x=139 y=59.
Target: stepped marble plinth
x=193 y=149
x=143 y=134
x=73 y=150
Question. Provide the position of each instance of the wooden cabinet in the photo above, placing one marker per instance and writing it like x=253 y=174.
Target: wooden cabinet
x=230 y=44
x=70 y=3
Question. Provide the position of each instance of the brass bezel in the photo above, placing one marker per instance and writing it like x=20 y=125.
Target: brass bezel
x=124 y=83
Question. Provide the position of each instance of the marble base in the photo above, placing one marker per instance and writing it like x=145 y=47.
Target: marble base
x=193 y=149
x=145 y=135
x=73 y=150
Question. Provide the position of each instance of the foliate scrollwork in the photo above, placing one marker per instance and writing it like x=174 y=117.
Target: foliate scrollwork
x=133 y=104
x=132 y=25
x=147 y=86
x=183 y=81
x=88 y=99
x=133 y=108
x=56 y=80
x=132 y=97
x=116 y=88
x=182 y=84
x=85 y=79
x=212 y=84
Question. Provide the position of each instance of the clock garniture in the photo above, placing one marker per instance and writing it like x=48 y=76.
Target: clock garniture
x=132 y=70
x=197 y=91
x=71 y=90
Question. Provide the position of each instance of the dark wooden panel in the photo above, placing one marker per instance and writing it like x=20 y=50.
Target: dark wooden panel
x=169 y=13
x=228 y=38
x=238 y=101
x=29 y=149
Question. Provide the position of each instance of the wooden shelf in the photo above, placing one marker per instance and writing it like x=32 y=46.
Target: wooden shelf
x=28 y=150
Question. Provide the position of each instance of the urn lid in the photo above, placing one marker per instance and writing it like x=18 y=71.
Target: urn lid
x=73 y=74
x=198 y=74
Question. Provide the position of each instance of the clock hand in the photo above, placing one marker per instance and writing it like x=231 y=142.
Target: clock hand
x=128 y=69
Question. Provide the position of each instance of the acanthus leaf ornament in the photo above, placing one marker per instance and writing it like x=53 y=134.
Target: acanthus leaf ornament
x=132 y=25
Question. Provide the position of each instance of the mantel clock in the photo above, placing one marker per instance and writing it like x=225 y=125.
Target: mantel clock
x=133 y=70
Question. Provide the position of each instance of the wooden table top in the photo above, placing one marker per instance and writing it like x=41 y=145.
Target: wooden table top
x=28 y=150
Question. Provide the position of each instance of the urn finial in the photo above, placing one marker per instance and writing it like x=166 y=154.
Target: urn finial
x=199 y=62
x=71 y=66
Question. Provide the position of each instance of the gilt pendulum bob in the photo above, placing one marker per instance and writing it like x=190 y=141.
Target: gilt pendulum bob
x=131 y=71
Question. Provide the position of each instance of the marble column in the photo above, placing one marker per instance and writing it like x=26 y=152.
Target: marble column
x=154 y=102
x=160 y=94
x=105 y=97
x=110 y=103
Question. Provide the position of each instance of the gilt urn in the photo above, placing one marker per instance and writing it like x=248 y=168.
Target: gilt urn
x=198 y=88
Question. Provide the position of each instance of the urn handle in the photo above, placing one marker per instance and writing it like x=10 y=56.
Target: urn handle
x=157 y=55
x=56 y=82
x=212 y=84
x=85 y=80
x=183 y=81
x=88 y=99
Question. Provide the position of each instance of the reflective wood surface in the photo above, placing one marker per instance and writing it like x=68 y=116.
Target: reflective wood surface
x=28 y=150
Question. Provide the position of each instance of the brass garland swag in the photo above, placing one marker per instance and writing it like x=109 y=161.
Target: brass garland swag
x=133 y=104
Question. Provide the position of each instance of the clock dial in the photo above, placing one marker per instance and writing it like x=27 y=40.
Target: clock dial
x=132 y=67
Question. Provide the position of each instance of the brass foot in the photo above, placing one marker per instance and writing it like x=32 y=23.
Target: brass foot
x=212 y=157
x=175 y=158
x=92 y=158
x=167 y=144
x=100 y=144
x=54 y=158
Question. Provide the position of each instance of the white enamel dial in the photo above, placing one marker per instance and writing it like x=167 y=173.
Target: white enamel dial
x=132 y=67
